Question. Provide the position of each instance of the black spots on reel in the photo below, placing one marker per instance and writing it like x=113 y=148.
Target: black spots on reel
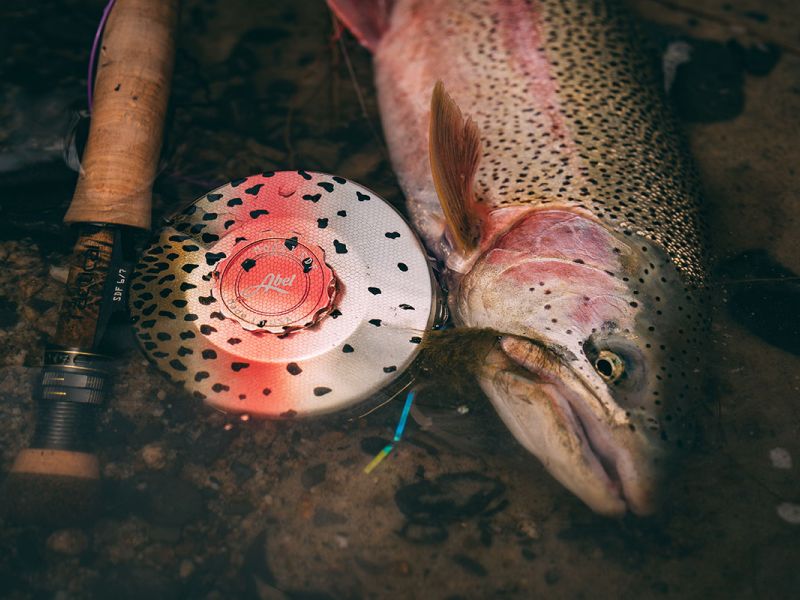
x=248 y=264
x=390 y=369
x=208 y=354
x=375 y=322
x=312 y=197
x=362 y=197
x=392 y=235
x=200 y=375
x=177 y=365
x=207 y=329
x=238 y=366
x=290 y=243
x=341 y=213
x=213 y=197
x=304 y=175
x=185 y=287
x=321 y=391
x=293 y=368
x=322 y=223
x=336 y=313
x=253 y=191
x=234 y=202
x=347 y=349
x=374 y=291
x=206 y=300
x=307 y=262
x=209 y=237
x=402 y=266
x=326 y=185
x=254 y=214
x=213 y=258
x=340 y=247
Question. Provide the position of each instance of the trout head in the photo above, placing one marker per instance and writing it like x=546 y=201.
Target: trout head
x=594 y=367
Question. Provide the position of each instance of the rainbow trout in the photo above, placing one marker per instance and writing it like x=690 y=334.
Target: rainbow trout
x=565 y=210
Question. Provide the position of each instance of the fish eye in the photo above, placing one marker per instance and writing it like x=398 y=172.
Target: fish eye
x=609 y=366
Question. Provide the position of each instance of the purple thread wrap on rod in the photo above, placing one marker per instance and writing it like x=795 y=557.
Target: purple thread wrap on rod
x=93 y=55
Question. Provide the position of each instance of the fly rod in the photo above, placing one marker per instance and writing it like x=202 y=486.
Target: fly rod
x=57 y=474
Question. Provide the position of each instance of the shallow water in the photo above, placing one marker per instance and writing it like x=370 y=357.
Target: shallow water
x=197 y=504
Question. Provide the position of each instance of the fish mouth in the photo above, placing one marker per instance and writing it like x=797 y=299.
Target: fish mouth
x=581 y=436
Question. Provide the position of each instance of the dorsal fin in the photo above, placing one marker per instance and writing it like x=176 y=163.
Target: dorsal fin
x=454 y=146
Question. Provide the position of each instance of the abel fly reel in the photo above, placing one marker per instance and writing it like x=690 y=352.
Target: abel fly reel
x=286 y=294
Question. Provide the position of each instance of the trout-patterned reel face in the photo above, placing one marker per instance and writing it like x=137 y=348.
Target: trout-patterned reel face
x=285 y=294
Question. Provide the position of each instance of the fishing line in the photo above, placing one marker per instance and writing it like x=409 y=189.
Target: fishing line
x=398 y=434
x=95 y=49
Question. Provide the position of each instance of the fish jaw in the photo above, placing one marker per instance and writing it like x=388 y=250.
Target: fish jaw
x=573 y=428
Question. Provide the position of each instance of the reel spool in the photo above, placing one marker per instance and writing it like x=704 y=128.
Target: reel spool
x=283 y=295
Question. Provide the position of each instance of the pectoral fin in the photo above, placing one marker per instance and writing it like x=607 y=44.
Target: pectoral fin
x=454 y=146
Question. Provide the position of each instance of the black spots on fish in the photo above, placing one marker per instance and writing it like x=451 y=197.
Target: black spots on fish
x=293 y=368
x=148 y=324
x=209 y=237
x=633 y=304
x=160 y=354
x=322 y=223
x=347 y=349
x=213 y=258
x=163 y=336
x=190 y=317
x=210 y=216
x=149 y=278
x=235 y=202
x=166 y=278
x=233 y=341
x=254 y=214
x=197 y=228
x=341 y=213
x=336 y=313
x=248 y=264
x=213 y=197
x=253 y=191
x=220 y=387
x=185 y=287
x=326 y=185
x=229 y=223
x=312 y=197
x=238 y=182
x=321 y=391
x=208 y=354
x=416 y=340
x=207 y=329
x=138 y=286
x=239 y=239
x=307 y=263
x=191 y=248
x=238 y=366
x=200 y=375
x=177 y=365
x=167 y=314
x=178 y=238
x=390 y=369
x=340 y=247
x=547 y=306
x=217 y=315
x=304 y=175
x=375 y=322
x=184 y=351
x=406 y=307
x=338 y=179
x=392 y=235
x=362 y=197
x=149 y=310
x=374 y=291
x=290 y=243
x=206 y=300
x=402 y=266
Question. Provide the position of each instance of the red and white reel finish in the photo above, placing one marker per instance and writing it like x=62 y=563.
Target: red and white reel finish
x=285 y=294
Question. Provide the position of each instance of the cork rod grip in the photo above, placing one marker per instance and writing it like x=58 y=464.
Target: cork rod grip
x=131 y=93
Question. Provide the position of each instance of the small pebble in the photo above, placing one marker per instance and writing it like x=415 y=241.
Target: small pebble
x=186 y=568
x=71 y=542
x=463 y=409
x=341 y=541
x=154 y=456
x=780 y=458
x=161 y=395
x=789 y=512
